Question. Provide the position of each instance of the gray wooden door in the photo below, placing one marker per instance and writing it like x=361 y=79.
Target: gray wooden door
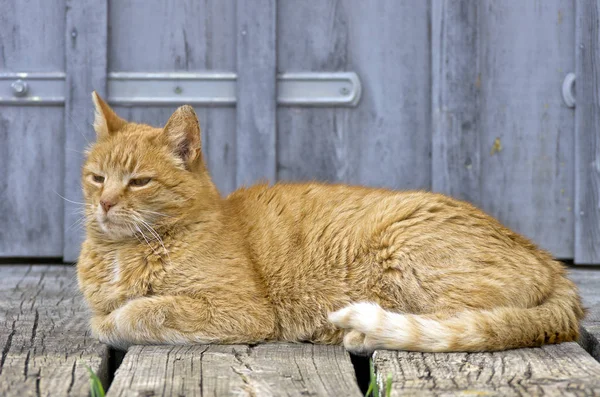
x=502 y=136
x=461 y=97
x=32 y=140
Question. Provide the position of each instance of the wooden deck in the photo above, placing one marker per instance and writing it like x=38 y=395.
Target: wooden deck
x=46 y=347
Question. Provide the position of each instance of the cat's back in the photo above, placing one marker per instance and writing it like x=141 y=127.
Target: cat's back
x=322 y=203
x=318 y=217
x=295 y=204
x=318 y=222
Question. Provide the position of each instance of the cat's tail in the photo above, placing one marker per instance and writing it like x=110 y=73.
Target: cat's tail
x=553 y=321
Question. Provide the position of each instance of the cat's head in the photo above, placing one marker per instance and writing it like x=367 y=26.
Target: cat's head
x=137 y=178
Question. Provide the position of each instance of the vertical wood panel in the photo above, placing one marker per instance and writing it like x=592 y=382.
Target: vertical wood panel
x=587 y=128
x=386 y=140
x=455 y=99
x=32 y=35
x=31 y=152
x=526 y=130
x=86 y=37
x=31 y=137
x=180 y=36
x=256 y=91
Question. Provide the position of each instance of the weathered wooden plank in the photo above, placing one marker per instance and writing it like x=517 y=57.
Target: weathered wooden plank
x=587 y=128
x=588 y=282
x=526 y=130
x=590 y=331
x=386 y=139
x=31 y=138
x=86 y=35
x=456 y=83
x=44 y=333
x=256 y=91
x=555 y=370
x=221 y=370
x=186 y=35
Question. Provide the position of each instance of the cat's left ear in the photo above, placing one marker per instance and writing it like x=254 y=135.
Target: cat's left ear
x=106 y=121
x=183 y=134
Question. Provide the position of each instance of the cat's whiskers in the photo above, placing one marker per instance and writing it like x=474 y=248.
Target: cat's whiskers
x=137 y=217
x=78 y=223
x=154 y=213
x=145 y=239
x=129 y=226
x=153 y=232
x=70 y=201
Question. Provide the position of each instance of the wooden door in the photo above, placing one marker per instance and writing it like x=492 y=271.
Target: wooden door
x=461 y=97
x=32 y=140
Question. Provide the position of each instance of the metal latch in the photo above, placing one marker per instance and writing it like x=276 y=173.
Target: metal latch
x=568 y=90
x=202 y=88
x=32 y=88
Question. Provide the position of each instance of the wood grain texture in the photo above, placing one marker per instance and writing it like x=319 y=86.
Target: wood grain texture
x=456 y=83
x=31 y=137
x=86 y=36
x=44 y=334
x=186 y=35
x=256 y=91
x=587 y=128
x=31 y=179
x=32 y=36
x=526 y=131
x=590 y=331
x=556 y=370
x=386 y=139
x=588 y=282
x=221 y=370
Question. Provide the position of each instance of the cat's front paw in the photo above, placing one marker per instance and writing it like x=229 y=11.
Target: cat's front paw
x=104 y=327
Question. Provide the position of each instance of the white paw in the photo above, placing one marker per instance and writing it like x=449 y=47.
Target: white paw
x=364 y=317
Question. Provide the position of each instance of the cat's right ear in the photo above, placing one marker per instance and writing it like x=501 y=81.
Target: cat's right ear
x=182 y=132
x=106 y=121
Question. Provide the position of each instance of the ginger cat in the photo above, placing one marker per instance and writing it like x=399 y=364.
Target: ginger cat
x=168 y=260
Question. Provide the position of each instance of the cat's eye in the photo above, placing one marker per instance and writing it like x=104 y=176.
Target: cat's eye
x=139 y=182
x=98 y=178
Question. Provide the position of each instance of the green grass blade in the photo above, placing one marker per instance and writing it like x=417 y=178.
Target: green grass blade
x=96 y=388
x=388 y=386
x=370 y=389
x=373 y=387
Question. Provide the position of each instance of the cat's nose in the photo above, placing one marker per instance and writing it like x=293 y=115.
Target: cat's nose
x=107 y=204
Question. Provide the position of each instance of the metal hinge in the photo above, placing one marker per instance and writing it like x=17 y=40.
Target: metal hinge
x=205 y=88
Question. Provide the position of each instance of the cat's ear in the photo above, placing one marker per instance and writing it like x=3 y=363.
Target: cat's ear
x=106 y=120
x=183 y=134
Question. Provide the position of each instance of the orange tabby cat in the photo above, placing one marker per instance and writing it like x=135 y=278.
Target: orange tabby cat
x=168 y=260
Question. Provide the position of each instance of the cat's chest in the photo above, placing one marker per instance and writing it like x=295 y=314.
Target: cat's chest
x=138 y=273
x=123 y=275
